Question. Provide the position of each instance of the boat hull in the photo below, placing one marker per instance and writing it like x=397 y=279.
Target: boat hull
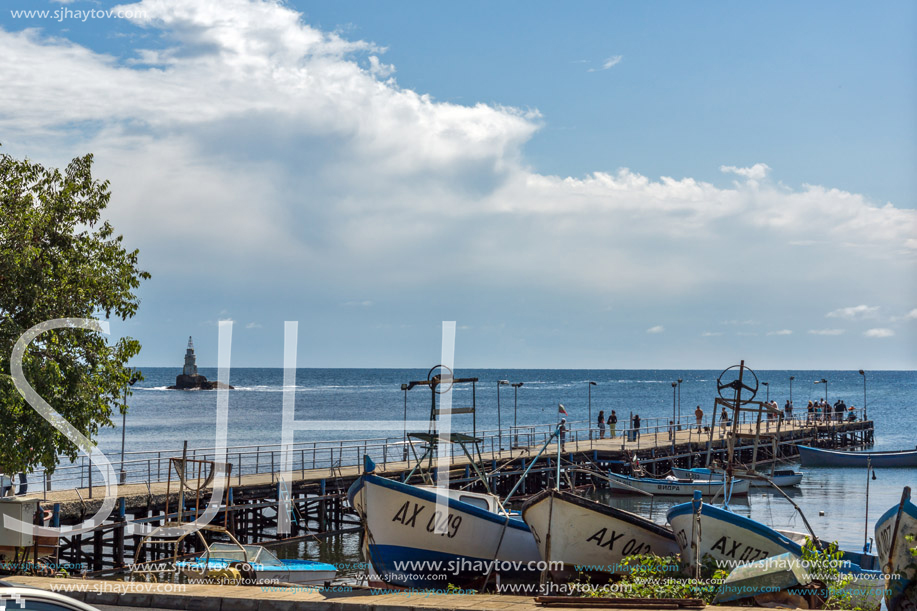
x=726 y=537
x=903 y=590
x=818 y=457
x=589 y=537
x=400 y=523
x=625 y=484
x=784 y=481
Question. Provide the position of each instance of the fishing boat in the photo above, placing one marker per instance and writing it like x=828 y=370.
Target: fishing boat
x=590 y=537
x=673 y=487
x=782 y=477
x=724 y=535
x=411 y=544
x=257 y=564
x=818 y=457
x=895 y=553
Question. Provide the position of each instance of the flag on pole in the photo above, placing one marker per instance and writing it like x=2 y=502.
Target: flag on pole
x=560 y=409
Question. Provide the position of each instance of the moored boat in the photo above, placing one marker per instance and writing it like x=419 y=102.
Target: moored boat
x=819 y=457
x=590 y=537
x=893 y=530
x=259 y=565
x=782 y=477
x=673 y=487
x=412 y=545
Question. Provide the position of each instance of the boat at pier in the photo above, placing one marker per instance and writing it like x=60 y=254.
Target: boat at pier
x=257 y=564
x=411 y=544
x=590 y=537
x=673 y=487
x=819 y=457
x=781 y=477
x=896 y=531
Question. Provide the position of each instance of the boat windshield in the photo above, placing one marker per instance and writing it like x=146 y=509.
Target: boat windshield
x=244 y=553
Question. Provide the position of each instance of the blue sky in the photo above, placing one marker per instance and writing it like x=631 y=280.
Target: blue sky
x=737 y=183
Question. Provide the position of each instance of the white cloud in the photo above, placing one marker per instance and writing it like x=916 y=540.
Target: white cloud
x=759 y=171
x=826 y=331
x=711 y=333
x=362 y=304
x=879 y=333
x=780 y=332
x=912 y=314
x=253 y=325
x=282 y=147
x=611 y=62
x=656 y=329
x=854 y=312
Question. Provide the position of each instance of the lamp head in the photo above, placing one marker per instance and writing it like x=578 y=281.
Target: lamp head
x=503 y=382
x=792 y=378
x=593 y=384
x=517 y=384
x=404 y=387
x=674 y=384
x=862 y=373
x=680 y=380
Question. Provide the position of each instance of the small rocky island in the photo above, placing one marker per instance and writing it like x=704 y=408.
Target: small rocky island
x=190 y=379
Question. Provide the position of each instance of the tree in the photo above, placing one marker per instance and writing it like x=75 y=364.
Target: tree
x=60 y=259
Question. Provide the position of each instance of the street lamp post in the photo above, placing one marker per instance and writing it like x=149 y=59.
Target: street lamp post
x=672 y=426
x=133 y=380
x=791 y=389
x=825 y=382
x=678 y=420
x=767 y=385
x=515 y=409
x=404 y=439
x=863 y=373
x=591 y=384
x=499 y=421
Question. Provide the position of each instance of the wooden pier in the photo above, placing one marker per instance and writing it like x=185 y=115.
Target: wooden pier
x=318 y=495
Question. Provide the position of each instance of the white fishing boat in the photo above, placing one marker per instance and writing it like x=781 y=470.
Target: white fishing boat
x=673 y=486
x=895 y=556
x=725 y=536
x=478 y=542
x=782 y=477
x=257 y=564
x=590 y=537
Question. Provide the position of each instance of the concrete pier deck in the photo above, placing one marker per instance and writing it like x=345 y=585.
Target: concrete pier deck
x=200 y=597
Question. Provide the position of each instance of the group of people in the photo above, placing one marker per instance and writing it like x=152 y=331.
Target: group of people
x=612 y=423
x=822 y=411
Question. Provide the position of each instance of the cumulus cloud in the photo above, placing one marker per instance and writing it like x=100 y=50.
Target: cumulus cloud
x=878 y=333
x=256 y=142
x=826 y=331
x=854 y=312
x=912 y=315
x=656 y=329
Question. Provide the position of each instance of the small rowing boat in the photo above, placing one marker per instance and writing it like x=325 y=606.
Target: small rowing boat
x=896 y=557
x=258 y=565
x=673 y=487
x=782 y=477
x=818 y=457
x=590 y=537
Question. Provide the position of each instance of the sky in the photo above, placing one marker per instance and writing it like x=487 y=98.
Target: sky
x=582 y=185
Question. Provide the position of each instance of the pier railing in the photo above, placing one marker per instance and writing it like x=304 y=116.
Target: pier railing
x=148 y=467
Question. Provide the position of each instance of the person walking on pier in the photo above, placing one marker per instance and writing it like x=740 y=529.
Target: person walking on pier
x=636 y=426
x=699 y=416
x=613 y=422
x=602 y=424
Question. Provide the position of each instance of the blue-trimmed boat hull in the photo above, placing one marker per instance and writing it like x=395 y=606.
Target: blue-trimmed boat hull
x=903 y=590
x=818 y=457
x=399 y=527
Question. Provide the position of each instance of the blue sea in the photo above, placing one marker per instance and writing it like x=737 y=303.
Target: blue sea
x=161 y=419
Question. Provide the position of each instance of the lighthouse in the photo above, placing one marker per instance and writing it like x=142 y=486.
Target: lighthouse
x=189 y=378
x=190 y=368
